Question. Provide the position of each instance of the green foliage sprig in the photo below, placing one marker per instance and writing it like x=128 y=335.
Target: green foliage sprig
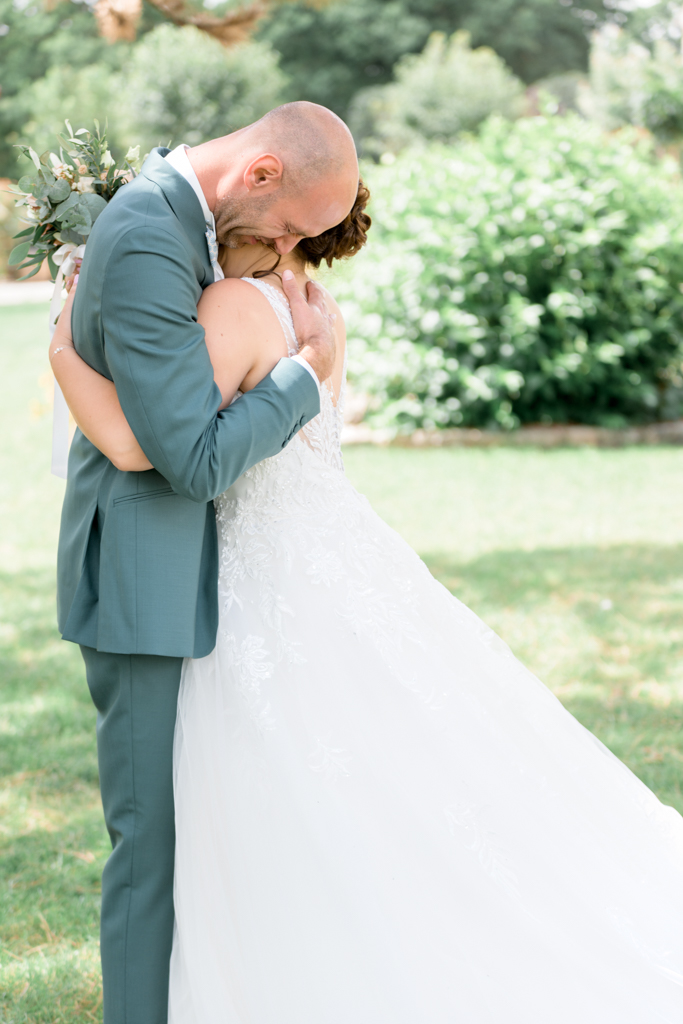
x=65 y=193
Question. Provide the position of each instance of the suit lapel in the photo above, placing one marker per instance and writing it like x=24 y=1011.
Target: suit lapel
x=184 y=203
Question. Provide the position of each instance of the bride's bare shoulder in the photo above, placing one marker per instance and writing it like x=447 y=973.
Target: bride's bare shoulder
x=231 y=292
x=234 y=307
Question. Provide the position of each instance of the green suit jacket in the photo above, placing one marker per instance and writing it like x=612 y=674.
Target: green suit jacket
x=138 y=561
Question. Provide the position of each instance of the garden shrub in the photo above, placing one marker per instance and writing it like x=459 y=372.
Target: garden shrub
x=533 y=274
x=183 y=86
x=447 y=89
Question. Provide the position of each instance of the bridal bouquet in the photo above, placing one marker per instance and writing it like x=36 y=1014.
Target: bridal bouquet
x=64 y=195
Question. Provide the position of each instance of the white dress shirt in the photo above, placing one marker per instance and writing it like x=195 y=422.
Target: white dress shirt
x=178 y=159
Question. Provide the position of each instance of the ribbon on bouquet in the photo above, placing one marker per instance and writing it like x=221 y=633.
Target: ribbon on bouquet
x=65 y=257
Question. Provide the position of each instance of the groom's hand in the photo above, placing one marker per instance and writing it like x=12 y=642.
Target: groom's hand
x=313 y=324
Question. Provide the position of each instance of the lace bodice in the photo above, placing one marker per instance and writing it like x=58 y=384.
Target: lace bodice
x=322 y=434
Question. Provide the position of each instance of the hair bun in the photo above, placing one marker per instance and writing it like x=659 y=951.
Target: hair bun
x=345 y=239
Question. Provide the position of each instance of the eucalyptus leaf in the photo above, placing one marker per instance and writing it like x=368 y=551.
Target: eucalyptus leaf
x=27 y=183
x=94 y=203
x=32 y=273
x=22 y=234
x=79 y=219
x=66 y=205
x=68 y=235
x=59 y=191
x=36 y=257
x=18 y=254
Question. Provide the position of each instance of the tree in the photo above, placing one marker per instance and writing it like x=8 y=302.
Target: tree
x=180 y=85
x=51 y=49
x=334 y=50
x=119 y=19
x=34 y=39
x=447 y=89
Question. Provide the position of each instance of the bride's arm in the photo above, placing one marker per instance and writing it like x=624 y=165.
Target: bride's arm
x=93 y=401
x=244 y=340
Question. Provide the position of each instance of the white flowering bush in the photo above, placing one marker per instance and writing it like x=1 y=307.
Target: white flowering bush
x=531 y=275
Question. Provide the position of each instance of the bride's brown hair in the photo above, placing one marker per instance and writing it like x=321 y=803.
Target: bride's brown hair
x=336 y=244
x=343 y=241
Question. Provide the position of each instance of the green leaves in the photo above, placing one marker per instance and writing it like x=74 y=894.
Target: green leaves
x=68 y=204
x=79 y=212
x=27 y=183
x=94 y=204
x=59 y=191
x=532 y=275
x=19 y=254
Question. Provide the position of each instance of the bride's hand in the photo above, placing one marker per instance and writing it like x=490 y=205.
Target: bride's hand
x=63 y=338
x=313 y=324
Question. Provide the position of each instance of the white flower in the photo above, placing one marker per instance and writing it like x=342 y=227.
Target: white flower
x=85 y=184
x=61 y=170
x=133 y=154
x=108 y=160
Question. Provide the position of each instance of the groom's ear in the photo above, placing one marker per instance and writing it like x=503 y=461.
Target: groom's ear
x=264 y=173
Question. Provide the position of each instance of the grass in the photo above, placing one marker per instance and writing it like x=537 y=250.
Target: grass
x=52 y=842
x=575 y=558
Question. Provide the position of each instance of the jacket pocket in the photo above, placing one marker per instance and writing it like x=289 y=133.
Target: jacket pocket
x=127 y=499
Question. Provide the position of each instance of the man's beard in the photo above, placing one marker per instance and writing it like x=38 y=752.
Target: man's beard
x=233 y=215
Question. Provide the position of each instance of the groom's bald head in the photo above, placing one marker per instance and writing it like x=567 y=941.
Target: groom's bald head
x=292 y=174
x=312 y=142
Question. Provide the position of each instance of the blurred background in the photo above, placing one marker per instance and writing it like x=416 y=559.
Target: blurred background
x=515 y=359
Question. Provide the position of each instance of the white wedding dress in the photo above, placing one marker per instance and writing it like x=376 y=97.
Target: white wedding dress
x=382 y=816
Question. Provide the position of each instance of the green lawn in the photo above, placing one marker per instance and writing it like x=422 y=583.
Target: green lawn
x=575 y=558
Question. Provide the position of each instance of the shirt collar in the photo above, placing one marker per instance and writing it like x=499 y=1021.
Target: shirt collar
x=178 y=159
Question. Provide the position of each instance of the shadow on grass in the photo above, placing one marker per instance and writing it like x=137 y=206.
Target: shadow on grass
x=52 y=838
x=46 y=715
x=59 y=987
x=603 y=627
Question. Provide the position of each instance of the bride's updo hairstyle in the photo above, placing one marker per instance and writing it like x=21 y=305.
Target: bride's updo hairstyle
x=343 y=241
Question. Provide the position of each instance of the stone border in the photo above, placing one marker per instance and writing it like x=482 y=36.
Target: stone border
x=554 y=436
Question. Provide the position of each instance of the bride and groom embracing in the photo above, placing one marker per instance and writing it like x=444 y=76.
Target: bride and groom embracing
x=333 y=794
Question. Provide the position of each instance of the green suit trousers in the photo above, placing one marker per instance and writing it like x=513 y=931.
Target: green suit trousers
x=136 y=697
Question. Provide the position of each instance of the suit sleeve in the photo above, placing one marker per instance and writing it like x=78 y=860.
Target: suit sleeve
x=158 y=360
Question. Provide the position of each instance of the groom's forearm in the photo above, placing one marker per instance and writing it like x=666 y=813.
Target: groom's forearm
x=259 y=425
x=158 y=360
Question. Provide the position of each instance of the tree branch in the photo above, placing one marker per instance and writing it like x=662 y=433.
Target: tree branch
x=232 y=28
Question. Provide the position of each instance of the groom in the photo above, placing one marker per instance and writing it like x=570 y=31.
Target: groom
x=137 y=569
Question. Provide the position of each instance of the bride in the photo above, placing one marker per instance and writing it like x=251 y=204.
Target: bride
x=382 y=816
